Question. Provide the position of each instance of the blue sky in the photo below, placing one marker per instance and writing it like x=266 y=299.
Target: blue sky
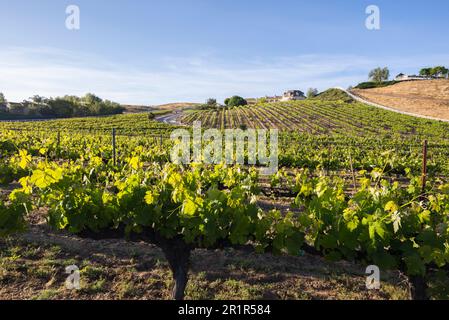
x=151 y=52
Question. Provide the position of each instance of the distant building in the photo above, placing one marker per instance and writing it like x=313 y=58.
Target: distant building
x=401 y=77
x=293 y=95
x=18 y=108
x=3 y=107
x=273 y=99
x=404 y=77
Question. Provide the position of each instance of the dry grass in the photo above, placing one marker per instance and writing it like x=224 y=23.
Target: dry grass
x=162 y=107
x=177 y=105
x=428 y=98
x=137 y=109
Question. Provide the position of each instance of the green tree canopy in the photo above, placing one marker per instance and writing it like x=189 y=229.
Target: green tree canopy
x=68 y=106
x=211 y=102
x=90 y=99
x=38 y=99
x=61 y=108
x=439 y=71
x=2 y=98
x=312 y=93
x=425 y=72
x=236 y=101
x=379 y=74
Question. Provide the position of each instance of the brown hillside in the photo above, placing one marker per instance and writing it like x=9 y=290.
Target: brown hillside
x=177 y=105
x=136 y=108
x=428 y=98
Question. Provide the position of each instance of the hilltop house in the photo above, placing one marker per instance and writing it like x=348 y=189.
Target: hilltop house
x=293 y=95
x=404 y=77
x=401 y=77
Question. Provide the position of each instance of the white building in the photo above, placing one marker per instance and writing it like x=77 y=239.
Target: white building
x=401 y=77
x=404 y=77
x=293 y=95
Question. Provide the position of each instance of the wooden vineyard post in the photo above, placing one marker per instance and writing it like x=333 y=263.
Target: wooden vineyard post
x=352 y=171
x=160 y=140
x=424 y=167
x=58 y=144
x=114 y=156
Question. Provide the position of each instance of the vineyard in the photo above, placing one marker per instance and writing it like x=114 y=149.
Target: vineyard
x=320 y=117
x=351 y=183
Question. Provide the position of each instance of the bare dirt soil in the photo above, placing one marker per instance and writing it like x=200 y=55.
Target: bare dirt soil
x=427 y=97
x=32 y=266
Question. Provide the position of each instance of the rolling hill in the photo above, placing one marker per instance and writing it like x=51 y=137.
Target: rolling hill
x=428 y=98
x=176 y=105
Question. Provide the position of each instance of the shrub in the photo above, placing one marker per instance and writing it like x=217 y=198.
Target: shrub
x=334 y=95
x=371 y=84
x=236 y=101
x=312 y=93
x=211 y=102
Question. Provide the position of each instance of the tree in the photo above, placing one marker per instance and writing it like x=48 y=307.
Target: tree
x=90 y=99
x=37 y=99
x=46 y=111
x=379 y=74
x=236 y=101
x=439 y=71
x=66 y=107
x=226 y=101
x=109 y=107
x=211 y=102
x=2 y=98
x=312 y=93
x=61 y=108
x=425 y=72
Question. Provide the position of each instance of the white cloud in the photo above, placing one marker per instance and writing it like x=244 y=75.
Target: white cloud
x=52 y=72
